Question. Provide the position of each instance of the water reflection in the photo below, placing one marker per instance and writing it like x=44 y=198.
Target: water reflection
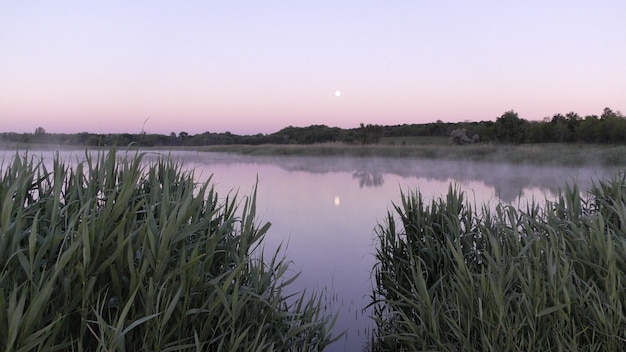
x=368 y=179
x=510 y=181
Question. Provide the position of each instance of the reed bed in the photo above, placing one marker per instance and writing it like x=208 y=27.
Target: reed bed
x=451 y=277
x=116 y=254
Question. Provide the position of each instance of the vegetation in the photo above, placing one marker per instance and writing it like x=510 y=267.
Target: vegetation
x=537 y=154
x=415 y=140
x=553 y=278
x=115 y=254
x=509 y=128
x=459 y=137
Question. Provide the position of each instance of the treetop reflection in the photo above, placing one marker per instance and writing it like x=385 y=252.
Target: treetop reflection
x=508 y=180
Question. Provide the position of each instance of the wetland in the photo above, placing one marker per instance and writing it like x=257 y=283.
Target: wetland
x=324 y=210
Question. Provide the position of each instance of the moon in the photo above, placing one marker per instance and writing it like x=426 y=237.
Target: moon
x=337 y=93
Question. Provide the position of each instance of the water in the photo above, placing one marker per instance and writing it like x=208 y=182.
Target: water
x=324 y=210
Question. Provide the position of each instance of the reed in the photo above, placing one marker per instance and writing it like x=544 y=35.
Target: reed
x=116 y=254
x=451 y=277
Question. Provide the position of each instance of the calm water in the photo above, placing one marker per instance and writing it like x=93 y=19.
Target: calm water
x=325 y=210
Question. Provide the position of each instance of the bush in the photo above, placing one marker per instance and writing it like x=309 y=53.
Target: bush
x=113 y=254
x=459 y=137
x=450 y=278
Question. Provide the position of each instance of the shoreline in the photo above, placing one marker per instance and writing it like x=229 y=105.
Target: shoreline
x=541 y=154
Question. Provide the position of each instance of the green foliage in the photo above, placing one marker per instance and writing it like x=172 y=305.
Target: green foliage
x=368 y=134
x=417 y=141
x=451 y=278
x=459 y=137
x=113 y=254
x=510 y=128
x=309 y=135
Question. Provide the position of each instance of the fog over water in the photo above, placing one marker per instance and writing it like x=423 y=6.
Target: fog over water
x=509 y=181
x=324 y=210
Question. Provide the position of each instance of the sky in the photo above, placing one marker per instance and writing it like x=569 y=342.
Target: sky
x=251 y=67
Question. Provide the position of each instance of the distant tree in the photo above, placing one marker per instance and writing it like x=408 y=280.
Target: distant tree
x=573 y=121
x=368 y=134
x=607 y=113
x=124 y=139
x=589 y=129
x=510 y=128
x=559 y=130
x=40 y=131
x=438 y=129
x=612 y=129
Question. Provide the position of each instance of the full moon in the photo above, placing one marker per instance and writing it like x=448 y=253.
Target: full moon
x=337 y=93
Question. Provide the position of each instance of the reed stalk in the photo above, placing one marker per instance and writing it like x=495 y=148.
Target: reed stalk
x=113 y=253
x=451 y=277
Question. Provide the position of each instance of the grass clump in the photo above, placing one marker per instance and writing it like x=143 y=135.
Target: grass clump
x=550 y=278
x=116 y=254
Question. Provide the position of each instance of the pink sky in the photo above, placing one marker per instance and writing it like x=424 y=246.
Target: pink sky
x=199 y=66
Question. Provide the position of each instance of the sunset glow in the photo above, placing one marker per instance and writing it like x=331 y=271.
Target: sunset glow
x=254 y=68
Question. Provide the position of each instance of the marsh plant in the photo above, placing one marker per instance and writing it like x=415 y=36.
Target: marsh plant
x=543 y=278
x=116 y=254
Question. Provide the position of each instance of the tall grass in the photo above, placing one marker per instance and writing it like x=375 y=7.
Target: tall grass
x=116 y=254
x=450 y=277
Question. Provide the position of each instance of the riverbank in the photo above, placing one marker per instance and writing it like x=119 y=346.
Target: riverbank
x=555 y=154
x=566 y=154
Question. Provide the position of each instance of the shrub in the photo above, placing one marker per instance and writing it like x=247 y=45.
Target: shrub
x=459 y=136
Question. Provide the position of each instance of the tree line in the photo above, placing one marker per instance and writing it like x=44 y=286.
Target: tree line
x=609 y=127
